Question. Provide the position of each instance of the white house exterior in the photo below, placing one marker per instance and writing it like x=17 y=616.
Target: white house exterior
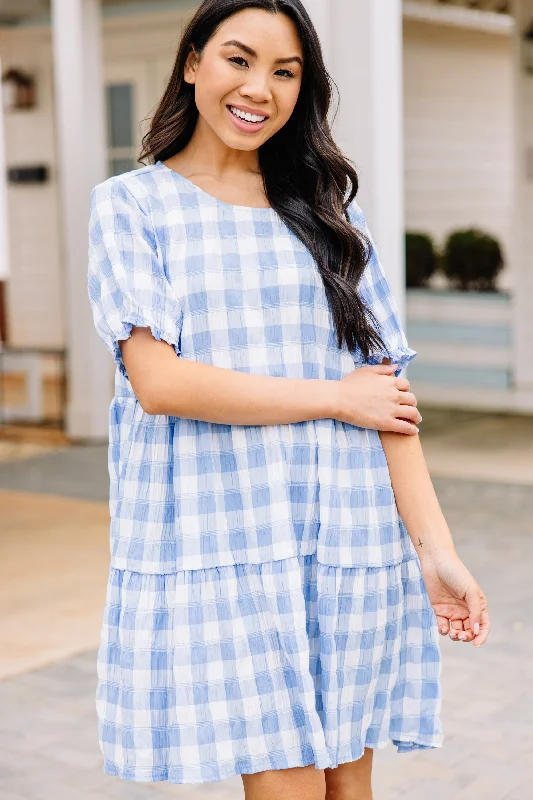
x=440 y=128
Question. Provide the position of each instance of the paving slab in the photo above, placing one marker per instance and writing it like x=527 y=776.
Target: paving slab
x=54 y=559
x=79 y=471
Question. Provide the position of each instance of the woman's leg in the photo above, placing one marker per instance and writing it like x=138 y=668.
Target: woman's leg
x=298 y=783
x=351 y=781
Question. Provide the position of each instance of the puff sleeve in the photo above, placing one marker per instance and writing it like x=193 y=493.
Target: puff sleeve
x=127 y=282
x=375 y=291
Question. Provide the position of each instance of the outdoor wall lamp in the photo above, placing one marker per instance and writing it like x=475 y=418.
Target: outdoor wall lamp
x=527 y=49
x=18 y=90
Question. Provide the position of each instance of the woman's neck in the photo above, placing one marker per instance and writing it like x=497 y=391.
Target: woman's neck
x=206 y=155
x=232 y=176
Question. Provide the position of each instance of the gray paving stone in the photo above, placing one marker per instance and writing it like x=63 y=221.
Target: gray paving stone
x=79 y=471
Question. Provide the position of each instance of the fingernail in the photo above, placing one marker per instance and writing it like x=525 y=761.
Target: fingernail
x=444 y=630
x=462 y=636
x=476 y=628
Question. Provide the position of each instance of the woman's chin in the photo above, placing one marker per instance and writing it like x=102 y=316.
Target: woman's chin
x=238 y=142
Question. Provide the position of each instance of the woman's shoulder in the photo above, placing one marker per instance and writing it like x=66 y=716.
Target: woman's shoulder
x=357 y=215
x=142 y=188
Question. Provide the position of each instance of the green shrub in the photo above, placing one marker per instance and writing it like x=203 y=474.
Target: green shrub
x=472 y=260
x=420 y=259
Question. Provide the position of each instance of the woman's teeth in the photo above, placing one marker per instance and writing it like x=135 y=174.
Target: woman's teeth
x=246 y=116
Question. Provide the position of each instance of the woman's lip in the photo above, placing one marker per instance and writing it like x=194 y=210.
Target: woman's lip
x=248 y=110
x=246 y=127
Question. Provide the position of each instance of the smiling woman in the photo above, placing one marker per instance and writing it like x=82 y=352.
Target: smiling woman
x=257 y=50
x=266 y=614
x=262 y=69
x=251 y=64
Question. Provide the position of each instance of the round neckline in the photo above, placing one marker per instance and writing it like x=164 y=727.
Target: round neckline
x=268 y=209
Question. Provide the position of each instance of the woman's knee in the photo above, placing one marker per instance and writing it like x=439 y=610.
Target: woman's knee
x=298 y=783
x=351 y=781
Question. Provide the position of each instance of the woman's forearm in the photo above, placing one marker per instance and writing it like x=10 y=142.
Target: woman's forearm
x=178 y=387
x=370 y=397
x=230 y=397
x=415 y=496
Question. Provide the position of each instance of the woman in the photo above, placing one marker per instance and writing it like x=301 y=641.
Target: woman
x=268 y=612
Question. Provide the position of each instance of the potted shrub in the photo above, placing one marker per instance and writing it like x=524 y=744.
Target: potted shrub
x=472 y=260
x=463 y=338
x=420 y=259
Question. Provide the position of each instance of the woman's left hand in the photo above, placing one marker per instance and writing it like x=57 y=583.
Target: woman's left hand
x=457 y=599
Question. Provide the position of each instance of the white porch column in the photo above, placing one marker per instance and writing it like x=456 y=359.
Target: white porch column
x=364 y=47
x=321 y=14
x=523 y=210
x=82 y=164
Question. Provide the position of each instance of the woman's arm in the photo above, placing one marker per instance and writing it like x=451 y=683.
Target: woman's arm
x=459 y=603
x=415 y=496
x=165 y=384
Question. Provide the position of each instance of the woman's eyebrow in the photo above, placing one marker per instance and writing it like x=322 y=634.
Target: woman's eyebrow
x=236 y=43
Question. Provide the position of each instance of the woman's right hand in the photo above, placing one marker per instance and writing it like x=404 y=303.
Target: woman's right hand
x=373 y=397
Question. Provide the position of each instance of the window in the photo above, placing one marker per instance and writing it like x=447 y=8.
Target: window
x=120 y=133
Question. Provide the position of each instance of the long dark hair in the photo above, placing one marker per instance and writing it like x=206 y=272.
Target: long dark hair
x=307 y=180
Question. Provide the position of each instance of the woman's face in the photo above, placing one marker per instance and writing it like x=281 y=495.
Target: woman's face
x=253 y=64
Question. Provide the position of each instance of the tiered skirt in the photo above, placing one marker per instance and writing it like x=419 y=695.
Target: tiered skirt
x=209 y=673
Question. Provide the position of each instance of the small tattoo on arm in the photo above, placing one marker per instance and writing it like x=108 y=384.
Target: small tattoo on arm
x=420 y=542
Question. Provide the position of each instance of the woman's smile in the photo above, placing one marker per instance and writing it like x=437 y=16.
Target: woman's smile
x=245 y=121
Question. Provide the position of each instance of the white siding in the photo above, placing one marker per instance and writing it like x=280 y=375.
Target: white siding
x=35 y=290
x=458 y=131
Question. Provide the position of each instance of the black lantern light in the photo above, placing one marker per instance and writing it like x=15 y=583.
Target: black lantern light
x=18 y=90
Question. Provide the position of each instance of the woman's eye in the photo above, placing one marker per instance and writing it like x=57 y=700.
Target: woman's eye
x=238 y=58
x=241 y=62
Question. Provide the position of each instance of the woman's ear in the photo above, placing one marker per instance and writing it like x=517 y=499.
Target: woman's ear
x=189 y=72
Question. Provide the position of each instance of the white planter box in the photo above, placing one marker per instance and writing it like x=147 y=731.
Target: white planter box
x=463 y=339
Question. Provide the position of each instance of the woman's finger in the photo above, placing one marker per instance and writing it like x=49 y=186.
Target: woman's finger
x=443 y=624
x=484 y=627
x=410 y=413
x=466 y=635
x=474 y=601
x=402 y=426
x=456 y=626
x=403 y=384
x=407 y=399
x=382 y=369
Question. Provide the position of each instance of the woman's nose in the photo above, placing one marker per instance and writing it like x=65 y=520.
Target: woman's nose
x=257 y=88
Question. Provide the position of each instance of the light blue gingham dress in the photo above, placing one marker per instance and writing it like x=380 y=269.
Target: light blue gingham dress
x=265 y=607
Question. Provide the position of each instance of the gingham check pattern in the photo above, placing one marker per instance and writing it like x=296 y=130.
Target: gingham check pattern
x=233 y=287
x=204 y=674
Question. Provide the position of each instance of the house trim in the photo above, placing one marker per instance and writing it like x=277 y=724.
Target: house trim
x=457 y=17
